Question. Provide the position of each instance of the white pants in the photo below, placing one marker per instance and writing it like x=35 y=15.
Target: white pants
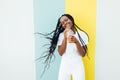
x=71 y=66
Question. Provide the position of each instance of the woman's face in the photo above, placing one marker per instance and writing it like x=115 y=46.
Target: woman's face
x=66 y=22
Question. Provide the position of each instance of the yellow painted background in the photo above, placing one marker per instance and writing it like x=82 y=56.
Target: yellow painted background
x=84 y=13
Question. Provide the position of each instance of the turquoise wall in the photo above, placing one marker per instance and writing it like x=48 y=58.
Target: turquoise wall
x=46 y=14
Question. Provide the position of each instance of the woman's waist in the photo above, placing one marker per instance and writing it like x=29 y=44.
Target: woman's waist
x=71 y=53
x=71 y=60
x=71 y=56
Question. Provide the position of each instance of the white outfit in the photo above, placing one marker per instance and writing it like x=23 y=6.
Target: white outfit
x=71 y=62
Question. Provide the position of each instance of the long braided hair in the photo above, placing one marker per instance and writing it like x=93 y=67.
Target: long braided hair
x=53 y=38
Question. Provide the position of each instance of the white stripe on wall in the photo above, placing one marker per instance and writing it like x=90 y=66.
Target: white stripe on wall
x=16 y=40
x=108 y=40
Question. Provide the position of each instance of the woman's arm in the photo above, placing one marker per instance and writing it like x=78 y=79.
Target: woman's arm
x=62 y=47
x=80 y=49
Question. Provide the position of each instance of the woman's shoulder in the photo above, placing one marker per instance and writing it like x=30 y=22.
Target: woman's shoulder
x=83 y=34
x=61 y=34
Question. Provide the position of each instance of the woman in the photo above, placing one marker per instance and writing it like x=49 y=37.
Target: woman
x=72 y=46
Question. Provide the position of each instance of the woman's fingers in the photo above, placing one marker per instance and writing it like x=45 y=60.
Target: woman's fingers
x=70 y=39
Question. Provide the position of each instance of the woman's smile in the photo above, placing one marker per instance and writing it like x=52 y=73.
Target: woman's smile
x=66 y=22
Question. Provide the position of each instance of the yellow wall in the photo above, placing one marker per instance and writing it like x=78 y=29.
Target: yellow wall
x=84 y=13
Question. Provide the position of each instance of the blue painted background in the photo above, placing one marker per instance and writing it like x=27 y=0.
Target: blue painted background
x=46 y=14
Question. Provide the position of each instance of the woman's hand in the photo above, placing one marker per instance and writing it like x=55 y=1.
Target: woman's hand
x=67 y=28
x=72 y=39
x=65 y=32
